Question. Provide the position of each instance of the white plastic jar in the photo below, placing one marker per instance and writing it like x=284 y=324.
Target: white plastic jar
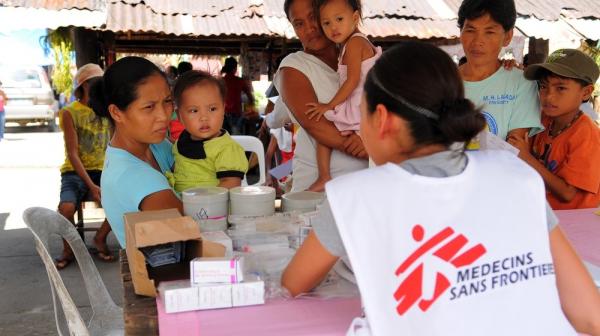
x=302 y=201
x=252 y=201
x=208 y=206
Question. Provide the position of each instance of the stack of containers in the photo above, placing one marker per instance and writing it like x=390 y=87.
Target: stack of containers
x=214 y=283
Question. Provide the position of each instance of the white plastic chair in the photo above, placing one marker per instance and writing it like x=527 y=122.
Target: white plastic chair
x=107 y=318
x=254 y=145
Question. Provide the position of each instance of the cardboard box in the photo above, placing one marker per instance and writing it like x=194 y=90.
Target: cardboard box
x=221 y=238
x=216 y=270
x=150 y=228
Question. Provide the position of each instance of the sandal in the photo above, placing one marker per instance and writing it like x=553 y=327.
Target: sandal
x=102 y=255
x=105 y=256
x=64 y=261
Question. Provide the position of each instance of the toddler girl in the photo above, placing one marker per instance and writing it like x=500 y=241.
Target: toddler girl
x=339 y=20
x=205 y=154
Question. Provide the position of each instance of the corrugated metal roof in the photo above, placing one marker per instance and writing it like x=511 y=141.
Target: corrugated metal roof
x=383 y=27
x=273 y=8
x=558 y=30
x=588 y=28
x=549 y=9
x=16 y=18
x=421 y=29
x=94 y=5
x=122 y=17
x=382 y=18
x=577 y=9
x=192 y=7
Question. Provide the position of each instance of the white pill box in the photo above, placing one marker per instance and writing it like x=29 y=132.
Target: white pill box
x=216 y=270
x=248 y=293
x=181 y=296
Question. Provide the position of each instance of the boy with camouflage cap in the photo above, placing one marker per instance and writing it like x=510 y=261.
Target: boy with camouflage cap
x=567 y=153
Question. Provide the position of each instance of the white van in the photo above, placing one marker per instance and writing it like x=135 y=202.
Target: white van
x=30 y=96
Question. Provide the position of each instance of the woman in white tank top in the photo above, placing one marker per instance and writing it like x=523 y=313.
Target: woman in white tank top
x=439 y=250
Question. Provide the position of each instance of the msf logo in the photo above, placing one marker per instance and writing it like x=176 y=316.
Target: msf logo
x=441 y=247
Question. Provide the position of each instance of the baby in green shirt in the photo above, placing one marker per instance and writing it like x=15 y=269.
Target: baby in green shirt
x=205 y=154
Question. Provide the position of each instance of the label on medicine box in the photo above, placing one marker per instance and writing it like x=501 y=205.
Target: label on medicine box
x=248 y=293
x=181 y=296
x=178 y=296
x=216 y=270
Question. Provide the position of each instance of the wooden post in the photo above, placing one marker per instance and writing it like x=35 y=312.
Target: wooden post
x=110 y=55
x=244 y=62
x=538 y=50
x=86 y=46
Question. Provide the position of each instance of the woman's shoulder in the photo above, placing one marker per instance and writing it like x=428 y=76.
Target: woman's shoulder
x=303 y=62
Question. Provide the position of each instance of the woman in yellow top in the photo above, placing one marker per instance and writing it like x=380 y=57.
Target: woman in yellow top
x=86 y=136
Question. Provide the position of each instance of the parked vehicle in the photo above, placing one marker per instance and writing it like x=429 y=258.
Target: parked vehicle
x=30 y=96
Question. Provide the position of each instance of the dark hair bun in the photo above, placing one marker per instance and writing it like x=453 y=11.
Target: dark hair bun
x=460 y=121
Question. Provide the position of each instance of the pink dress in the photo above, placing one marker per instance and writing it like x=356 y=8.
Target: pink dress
x=346 y=116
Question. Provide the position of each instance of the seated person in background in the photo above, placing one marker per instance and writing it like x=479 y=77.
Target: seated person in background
x=205 y=154
x=567 y=153
x=86 y=136
x=418 y=230
x=509 y=102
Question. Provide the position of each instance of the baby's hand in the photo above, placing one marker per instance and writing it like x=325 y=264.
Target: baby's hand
x=316 y=110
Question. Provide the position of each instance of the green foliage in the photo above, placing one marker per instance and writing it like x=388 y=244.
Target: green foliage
x=259 y=98
x=594 y=53
x=59 y=43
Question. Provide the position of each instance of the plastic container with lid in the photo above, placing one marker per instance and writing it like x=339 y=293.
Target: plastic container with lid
x=208 y=206
x=301 y=201
x=252 y=201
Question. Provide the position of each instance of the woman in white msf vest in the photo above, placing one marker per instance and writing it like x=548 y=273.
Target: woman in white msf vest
x=443 y=242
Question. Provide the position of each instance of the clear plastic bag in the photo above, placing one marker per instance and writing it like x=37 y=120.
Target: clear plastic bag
x=269 y=265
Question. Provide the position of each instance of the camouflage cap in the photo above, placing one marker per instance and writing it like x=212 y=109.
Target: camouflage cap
x=570 y=63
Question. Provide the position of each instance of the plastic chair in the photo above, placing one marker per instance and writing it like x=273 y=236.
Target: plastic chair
x=107 y=318
x=254 y=145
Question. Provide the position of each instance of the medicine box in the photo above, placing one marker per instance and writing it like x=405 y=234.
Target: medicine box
x=216 y=270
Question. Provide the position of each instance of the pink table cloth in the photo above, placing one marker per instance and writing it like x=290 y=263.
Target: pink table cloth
x=333 y=316
x=279 y=317
x=582 y=228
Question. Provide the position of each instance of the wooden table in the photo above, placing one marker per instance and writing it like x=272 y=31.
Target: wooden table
x=139 y=312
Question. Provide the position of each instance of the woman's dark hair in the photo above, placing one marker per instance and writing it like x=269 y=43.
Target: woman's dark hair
x=354 y=4
x=195 y=77
x=420 y=83
x=230 y=65
x=120 y=83
x=184 y=67
x=501 y=11
x=286 y=7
